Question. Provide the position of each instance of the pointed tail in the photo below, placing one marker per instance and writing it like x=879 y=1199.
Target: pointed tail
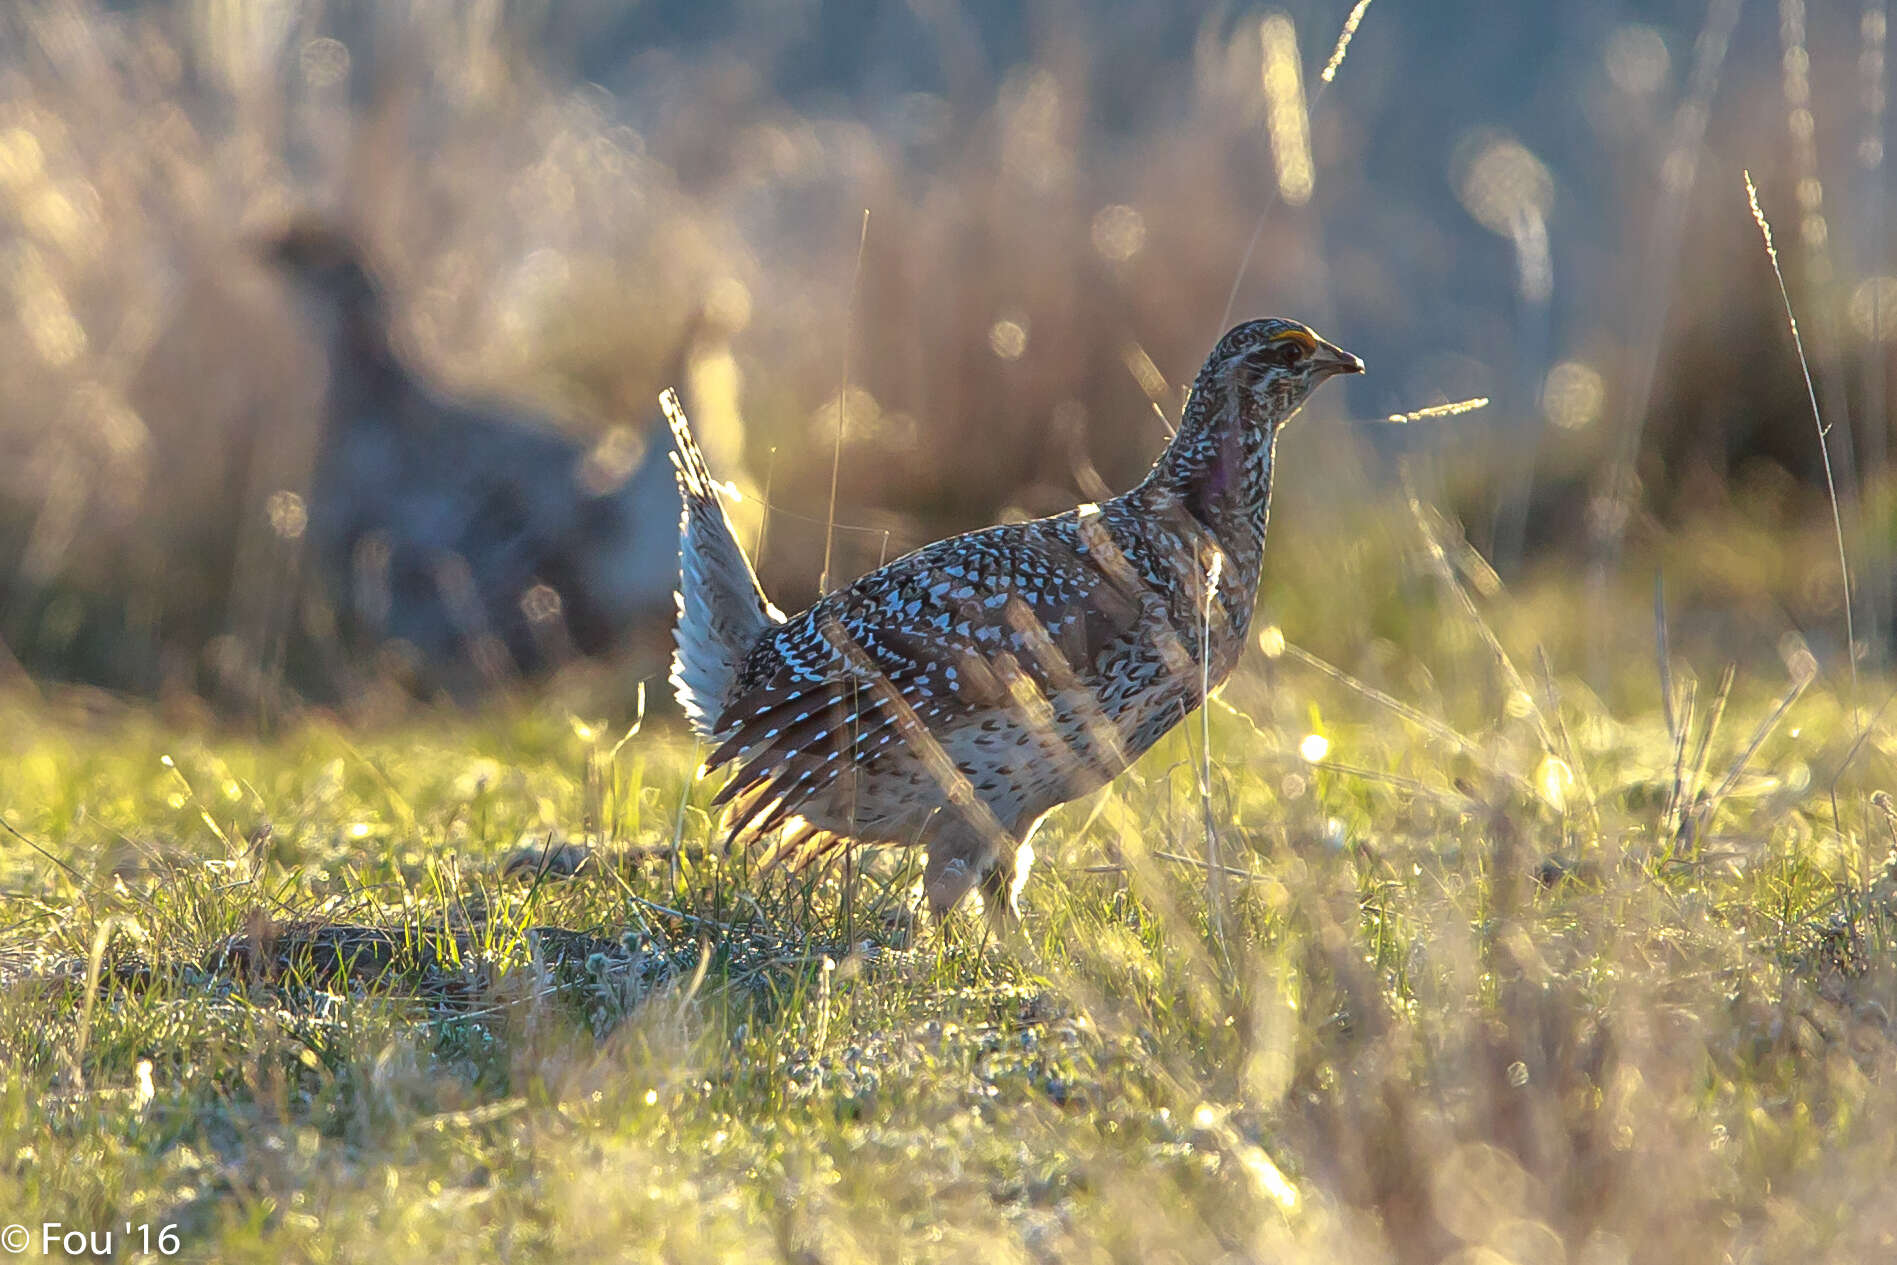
x=722 y=610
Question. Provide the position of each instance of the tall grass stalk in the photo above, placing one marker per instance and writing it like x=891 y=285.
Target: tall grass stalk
x=843 y=392
x=1325 y=78
x=1214 y=859
x=1824 y=446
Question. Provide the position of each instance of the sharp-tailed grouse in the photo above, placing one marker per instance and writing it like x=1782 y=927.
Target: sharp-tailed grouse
x=952 y=697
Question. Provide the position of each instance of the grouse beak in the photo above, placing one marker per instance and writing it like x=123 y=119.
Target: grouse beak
x=1329 y=360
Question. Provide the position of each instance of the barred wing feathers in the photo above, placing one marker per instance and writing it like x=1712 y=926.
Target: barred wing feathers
x=996 y=627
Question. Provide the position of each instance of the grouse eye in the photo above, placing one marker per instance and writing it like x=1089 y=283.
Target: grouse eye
x=1279 y=354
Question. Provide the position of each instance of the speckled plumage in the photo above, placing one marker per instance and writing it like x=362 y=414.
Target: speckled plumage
x=954 y=696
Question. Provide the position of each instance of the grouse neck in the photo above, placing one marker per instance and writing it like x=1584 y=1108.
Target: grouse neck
x=358 y=359
x=1218 y=468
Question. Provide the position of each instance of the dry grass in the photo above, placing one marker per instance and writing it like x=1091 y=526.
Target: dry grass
x=1056 y=215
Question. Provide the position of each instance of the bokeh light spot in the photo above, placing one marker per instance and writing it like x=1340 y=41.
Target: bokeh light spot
x=1119 y=232
x=1572 y=395
x=1502 y=183
x=1008 y=338
x=1287 y=119
x=1637 y=60
x=287 y=513
x=324 y=62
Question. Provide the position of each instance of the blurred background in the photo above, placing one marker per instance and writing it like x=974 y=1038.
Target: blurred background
x=333 y=331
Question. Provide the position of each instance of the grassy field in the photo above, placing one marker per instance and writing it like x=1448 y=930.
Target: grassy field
x=1517 y=967
x=1507 y=927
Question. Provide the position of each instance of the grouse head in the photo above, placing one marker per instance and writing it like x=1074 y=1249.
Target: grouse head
x=1268 y=367
x=336 y=293
x=322 y=259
